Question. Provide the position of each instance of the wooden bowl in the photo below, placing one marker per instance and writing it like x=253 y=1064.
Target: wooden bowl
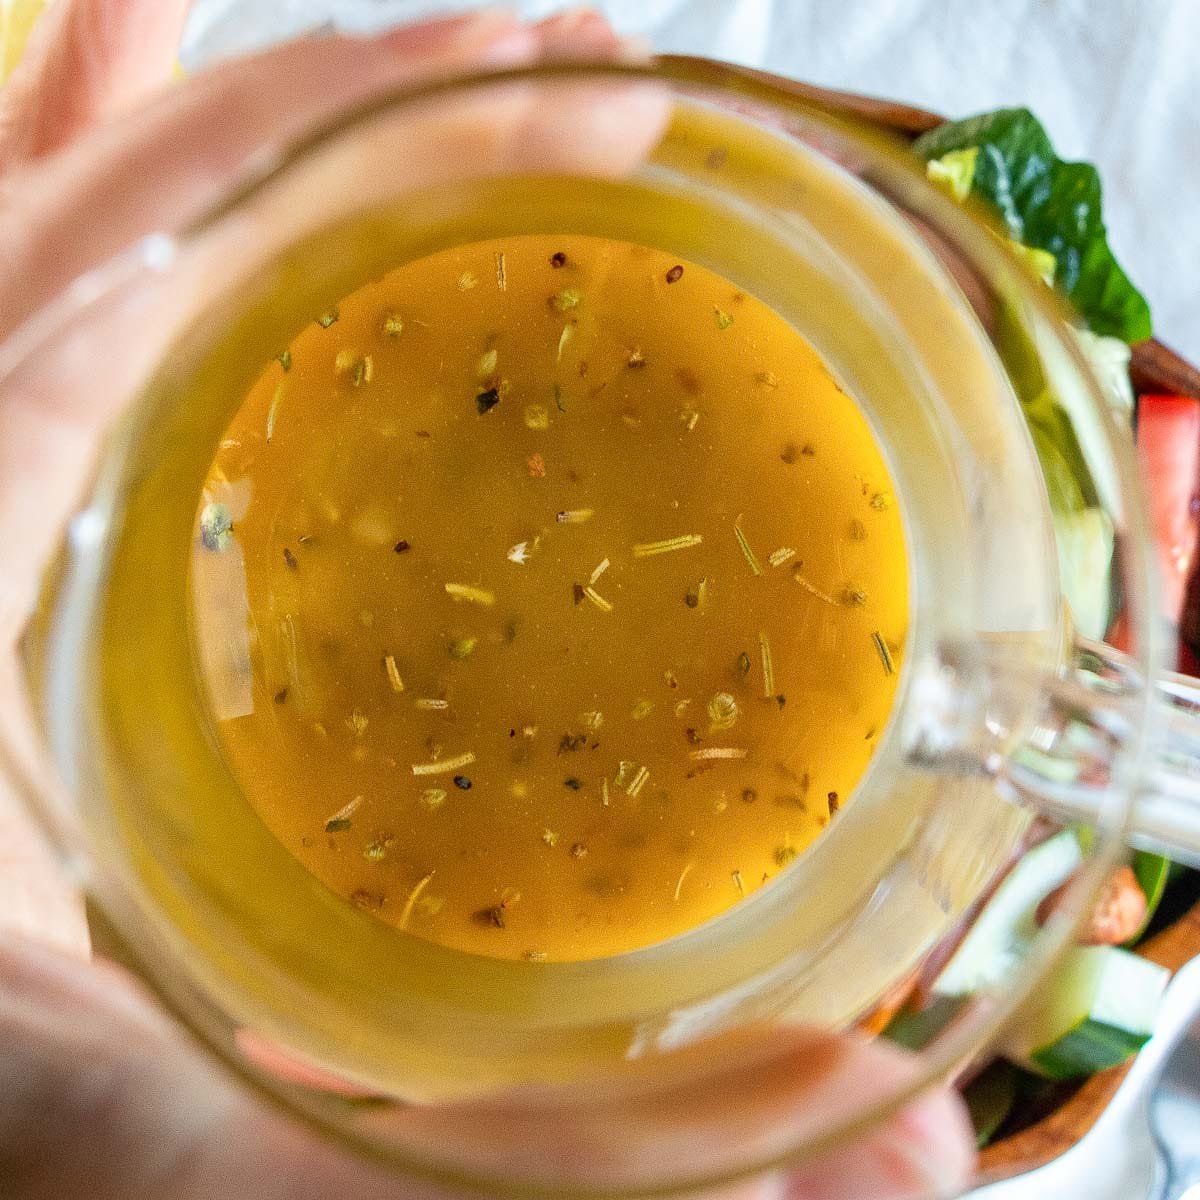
x=1155 y=368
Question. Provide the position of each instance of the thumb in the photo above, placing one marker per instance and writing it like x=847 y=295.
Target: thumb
x=87 y=61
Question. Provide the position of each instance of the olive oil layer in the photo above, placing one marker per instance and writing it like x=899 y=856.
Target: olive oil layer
x=551 y=597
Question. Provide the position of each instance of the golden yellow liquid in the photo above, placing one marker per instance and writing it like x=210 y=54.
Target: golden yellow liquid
x=550 y=595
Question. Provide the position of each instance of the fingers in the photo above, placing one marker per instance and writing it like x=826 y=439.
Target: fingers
x=783 y=1091
x=578 y=33
x=81 y=1049
x=152 y=172
x=100 y=1096
x=87 y=61
x=923 y=1153
x=77 y=1050
x=163 y=166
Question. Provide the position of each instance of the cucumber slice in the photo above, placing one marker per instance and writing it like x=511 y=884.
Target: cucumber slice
x=1085 y=552
x=1096 y=1010
x=1006 y=928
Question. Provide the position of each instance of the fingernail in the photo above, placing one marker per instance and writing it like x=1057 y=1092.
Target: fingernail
x=636 y=48
x=571 y=20
x=936 y=1138
x=942 y=1175
x=767 y=1187
x=453 y=32
x=511 y=49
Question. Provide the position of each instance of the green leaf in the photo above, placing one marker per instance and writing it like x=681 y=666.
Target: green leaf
x=914 y=1029
x=955 y=172
x=1152 y=872
x=989 y=1098
x=1049 y=205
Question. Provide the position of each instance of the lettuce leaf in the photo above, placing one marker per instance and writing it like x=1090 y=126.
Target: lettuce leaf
x=955 y=172
x=1049 y=205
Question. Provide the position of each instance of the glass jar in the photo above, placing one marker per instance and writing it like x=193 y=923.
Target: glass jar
x=435 y=1059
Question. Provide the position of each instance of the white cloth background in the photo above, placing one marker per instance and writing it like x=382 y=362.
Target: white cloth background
x=1115 y=81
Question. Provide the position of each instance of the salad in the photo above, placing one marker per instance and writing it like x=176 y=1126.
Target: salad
x=1100 y=1005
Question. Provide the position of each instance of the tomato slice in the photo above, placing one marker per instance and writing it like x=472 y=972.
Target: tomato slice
x=1168 y=442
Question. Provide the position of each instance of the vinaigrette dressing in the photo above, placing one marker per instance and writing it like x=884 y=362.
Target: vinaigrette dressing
x=551 y=596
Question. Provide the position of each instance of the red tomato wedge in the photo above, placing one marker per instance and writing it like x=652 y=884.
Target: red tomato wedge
x=1168 y=442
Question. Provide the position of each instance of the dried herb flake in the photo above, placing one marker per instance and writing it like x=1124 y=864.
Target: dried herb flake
x=566 y=300
x=487 y=363
x=885 y=655
x=487 y=400
x=744 y=545
x=683 y=542
x=462 y=647
x=537 y=416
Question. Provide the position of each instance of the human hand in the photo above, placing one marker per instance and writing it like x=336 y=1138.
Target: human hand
x=100 y=1095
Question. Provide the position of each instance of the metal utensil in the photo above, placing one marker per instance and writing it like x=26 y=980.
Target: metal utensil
x=1174 y=1116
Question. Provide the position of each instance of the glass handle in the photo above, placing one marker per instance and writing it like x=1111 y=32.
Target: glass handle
x=1166 y=814
x=1060 y=744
